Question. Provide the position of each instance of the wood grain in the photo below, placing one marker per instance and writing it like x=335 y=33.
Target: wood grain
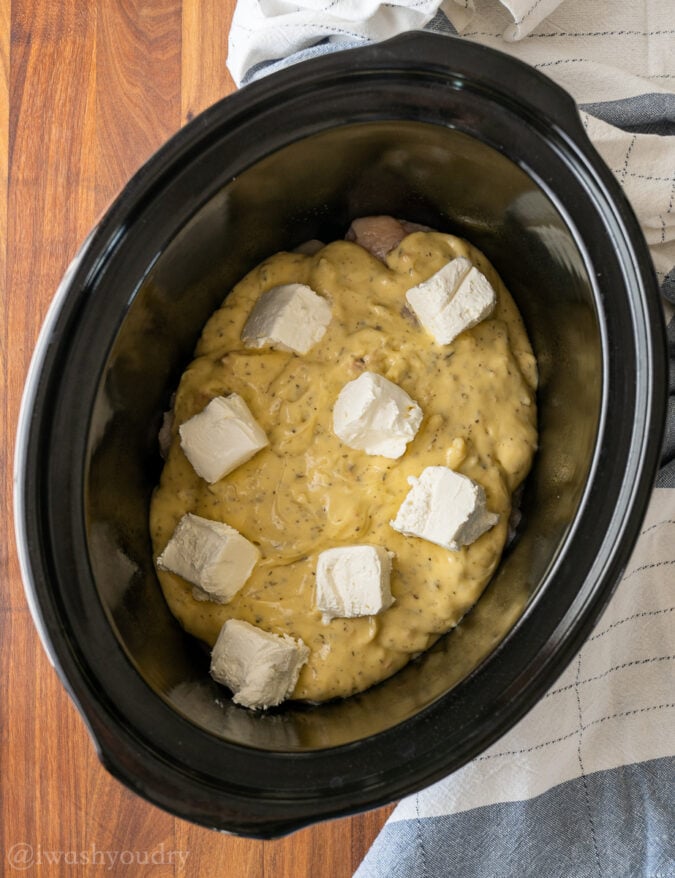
x=50 y=185
x=299 y=853
x=88 y=90
x=205 y=77
x=50 y=208
x=138 y=88
x=6 y=411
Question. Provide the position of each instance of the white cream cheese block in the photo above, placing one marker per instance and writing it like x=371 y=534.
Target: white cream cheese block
x=211 y=555
x=260 y=668
x=374 y=415
x=454 y=299
x=353 y=581
x=291 y=317
x=221 y=437
x=445 y=508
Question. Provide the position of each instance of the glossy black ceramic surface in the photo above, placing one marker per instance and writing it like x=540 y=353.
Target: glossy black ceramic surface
x=425 y=127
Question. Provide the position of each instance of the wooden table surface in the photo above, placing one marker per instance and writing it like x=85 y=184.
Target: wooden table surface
x=88 y=90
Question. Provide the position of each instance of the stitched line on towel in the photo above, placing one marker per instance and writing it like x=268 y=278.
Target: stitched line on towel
x=648 y=567
x=588 y=33
x=417 y=5
x=590 y=61
x=420 y=837
x=589 y=813
x=665 y=520
x=670 y=207
x=528 y=13
x=629 y=619
x=658 y=180
x=627 y=159
x=569 y=735
x=561 y=61
x=658 y=658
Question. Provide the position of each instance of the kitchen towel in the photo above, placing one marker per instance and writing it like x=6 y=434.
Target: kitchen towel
x=584 y=784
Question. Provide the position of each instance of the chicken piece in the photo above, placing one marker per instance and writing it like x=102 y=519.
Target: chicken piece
x=377 y=234
x=380 y=234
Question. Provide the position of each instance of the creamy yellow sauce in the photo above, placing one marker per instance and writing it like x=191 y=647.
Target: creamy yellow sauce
x=308 y=492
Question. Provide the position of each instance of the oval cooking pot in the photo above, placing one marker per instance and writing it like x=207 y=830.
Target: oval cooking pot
x=425 y=127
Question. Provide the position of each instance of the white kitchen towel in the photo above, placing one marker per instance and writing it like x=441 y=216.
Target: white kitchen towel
x=584 y=784
x=265 y=31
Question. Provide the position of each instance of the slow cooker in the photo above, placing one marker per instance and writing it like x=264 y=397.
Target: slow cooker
x=437 y=131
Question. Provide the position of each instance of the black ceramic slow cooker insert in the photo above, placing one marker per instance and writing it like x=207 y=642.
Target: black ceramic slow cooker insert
x=432 y=129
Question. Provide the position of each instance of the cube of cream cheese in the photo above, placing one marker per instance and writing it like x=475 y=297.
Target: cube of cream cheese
x=221 y=437
x=260 y=668
x=374 y=415
x=353 y=581
x=291 y=317
x=456 y=298
x=211 y=555
x=445 y=508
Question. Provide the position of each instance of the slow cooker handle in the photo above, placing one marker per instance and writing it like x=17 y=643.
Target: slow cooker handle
x=458 y=59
